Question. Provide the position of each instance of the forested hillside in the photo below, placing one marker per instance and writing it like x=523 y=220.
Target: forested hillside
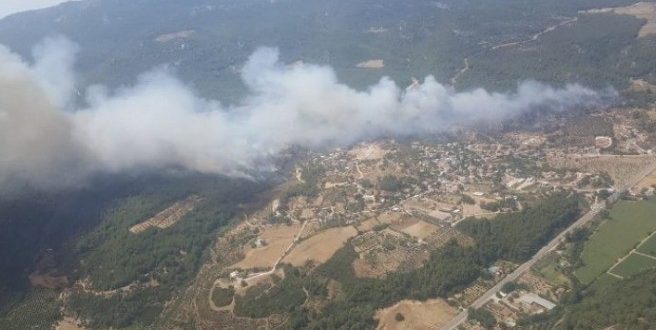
x=206 y=41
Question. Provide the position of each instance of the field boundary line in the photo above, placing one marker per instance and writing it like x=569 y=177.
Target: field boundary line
x=644 y=255
x=614 y=275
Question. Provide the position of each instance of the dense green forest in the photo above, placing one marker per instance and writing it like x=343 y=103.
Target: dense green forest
x=414 y=38
x=518 y=236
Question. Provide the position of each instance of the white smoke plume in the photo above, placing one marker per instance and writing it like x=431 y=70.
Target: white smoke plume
x=161 y=123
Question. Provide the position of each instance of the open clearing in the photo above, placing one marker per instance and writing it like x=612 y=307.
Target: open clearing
x=431 y=314
x=48 y=282
x=320 y=247
x=634 y=264
x=277 y=239
x=169 y=216
x=629 y=223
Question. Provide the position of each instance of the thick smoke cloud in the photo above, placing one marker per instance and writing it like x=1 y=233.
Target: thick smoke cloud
x=159 y=123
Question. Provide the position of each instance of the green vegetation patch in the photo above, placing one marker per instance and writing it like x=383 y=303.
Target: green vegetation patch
x=518 y=236
x=119 y=310
x=223 y=296
x=634 y=264
x=550 y=273
x=264 y=299
x=628 y=223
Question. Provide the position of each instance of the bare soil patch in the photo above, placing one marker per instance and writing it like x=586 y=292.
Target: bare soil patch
x=371 y=64
x=430 y=314
x=175 y=35
x=48 y=282
x=320 y=247
x=277 y=238
x=169 y=216
x=420 y=229
x=69 y=323
x=372 y=151
x=641 y=85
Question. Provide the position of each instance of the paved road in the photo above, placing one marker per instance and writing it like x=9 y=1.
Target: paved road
x=478 y=303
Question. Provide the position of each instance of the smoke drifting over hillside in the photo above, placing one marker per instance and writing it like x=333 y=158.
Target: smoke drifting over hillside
x=160 y=123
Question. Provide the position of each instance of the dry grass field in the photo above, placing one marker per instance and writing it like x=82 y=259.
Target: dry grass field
x=620 y=168
x=431 y=314
x=648 y=182
x=277 y=239
x=420 y=229
x=320 y=247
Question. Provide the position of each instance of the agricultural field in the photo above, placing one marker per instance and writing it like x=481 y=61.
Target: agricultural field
x=169 y=216
x=320 y=247
x=634 y=264
x=648 y=246
x=629 y=222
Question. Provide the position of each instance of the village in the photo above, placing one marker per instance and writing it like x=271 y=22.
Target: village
x=395 y=202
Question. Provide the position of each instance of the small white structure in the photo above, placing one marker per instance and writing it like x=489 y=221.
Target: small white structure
x=533 y=299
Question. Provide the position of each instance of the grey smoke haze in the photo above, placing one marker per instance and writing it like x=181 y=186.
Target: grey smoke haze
x=161 y=123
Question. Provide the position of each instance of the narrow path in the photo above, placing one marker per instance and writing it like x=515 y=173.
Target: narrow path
x=537 y=35
x=644 y=255
x=289 y=248
x=634 y=250
x=614 y=275
x=462 y=71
